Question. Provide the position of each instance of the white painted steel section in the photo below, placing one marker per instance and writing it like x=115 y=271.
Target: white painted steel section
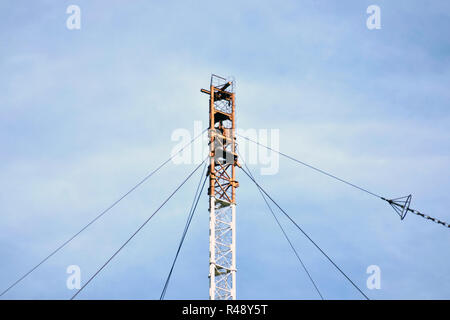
x=212 y=248
x=233 y=248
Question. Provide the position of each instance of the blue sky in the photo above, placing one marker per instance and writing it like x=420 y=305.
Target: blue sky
x=85 y=114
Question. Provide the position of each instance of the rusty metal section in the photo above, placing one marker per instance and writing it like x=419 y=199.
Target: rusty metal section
x=222 y=142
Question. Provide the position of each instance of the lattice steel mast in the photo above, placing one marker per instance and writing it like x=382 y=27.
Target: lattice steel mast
x=222 y=187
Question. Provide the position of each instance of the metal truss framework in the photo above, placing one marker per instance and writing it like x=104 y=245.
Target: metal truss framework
x=222 y=187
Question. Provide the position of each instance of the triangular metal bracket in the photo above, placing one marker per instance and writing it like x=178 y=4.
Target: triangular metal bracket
x=400 y=205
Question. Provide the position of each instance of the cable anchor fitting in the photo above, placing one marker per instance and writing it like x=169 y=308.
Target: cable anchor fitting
x=400 y=205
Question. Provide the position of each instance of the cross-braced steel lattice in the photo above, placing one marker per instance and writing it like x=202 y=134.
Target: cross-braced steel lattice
x=222 y=186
